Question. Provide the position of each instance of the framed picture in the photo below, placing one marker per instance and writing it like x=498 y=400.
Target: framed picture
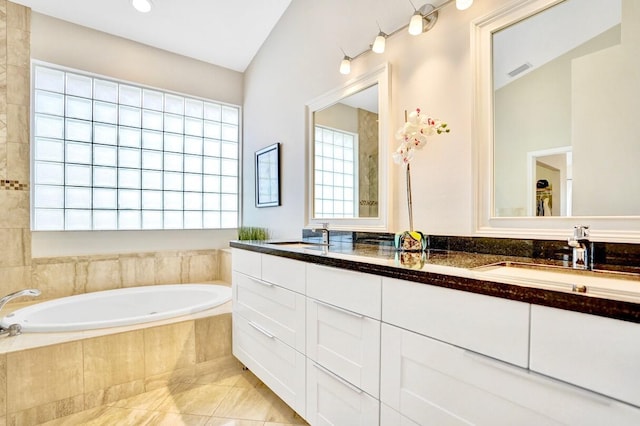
x=268 y=176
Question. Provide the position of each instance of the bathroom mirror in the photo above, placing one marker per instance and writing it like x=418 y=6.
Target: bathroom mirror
x=348 y=156
x=557 y=95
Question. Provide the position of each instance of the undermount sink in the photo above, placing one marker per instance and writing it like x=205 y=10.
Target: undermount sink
x=597 y=283
x=298 y=244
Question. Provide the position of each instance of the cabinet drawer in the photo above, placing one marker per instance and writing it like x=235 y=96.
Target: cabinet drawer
x=390 y=417
x=601 y=354
x=488 y=325
x=284 y=272
x=278 y=311
x=332 y=401
x=247 y=262
x=346 y=343
x=431 y=382
x=354 y=291
x=279 y=366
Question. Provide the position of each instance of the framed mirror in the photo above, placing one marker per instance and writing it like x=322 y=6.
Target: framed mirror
x=348 y=154
x=268 y=176
x=556 y=89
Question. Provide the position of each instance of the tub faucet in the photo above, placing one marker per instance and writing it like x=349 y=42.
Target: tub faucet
x=15 y=329
x=325 y=232
x=582 y=248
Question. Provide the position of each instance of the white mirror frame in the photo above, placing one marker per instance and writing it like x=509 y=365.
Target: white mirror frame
x=380 y=76
x=623 y=229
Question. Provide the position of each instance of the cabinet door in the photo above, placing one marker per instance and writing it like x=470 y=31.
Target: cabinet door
x=597 y=353
x=279 y=311
x=333 y=401
x=350 y=290
x=278 y=365
x=247 y=262
x=284 y=272
x=346 y=343
x=431 y=382
x=492 y=326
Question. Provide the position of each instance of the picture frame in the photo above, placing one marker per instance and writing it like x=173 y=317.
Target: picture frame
x=267 y=162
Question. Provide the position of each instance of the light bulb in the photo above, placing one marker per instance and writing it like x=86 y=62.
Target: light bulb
x=379 y=42
x=345 y=65
x=142 y=6
x=463 y=4
x=415 y=24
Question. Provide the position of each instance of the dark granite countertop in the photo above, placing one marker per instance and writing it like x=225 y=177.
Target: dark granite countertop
x=459 y=271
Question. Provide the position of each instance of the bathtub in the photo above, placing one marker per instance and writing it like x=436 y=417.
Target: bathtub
x=113 y=308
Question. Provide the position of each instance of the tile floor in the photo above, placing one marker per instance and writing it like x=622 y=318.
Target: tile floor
x=229 y=396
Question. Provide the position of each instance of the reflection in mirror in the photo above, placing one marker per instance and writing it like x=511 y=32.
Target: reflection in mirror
x=348 y=154
x=346 y=157
x=566 y=95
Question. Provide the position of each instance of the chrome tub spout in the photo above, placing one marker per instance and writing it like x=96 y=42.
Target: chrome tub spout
x=15 y=329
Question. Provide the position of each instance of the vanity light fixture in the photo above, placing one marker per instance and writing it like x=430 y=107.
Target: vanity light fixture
x=142 y=6
x=379 y=43
x=463 y=4
x=422 y=20
x=345 y=65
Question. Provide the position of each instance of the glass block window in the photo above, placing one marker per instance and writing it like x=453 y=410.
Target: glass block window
x=111 y=155
x=335 y=179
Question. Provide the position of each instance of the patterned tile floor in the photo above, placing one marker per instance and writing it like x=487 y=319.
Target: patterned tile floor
x=227 y=397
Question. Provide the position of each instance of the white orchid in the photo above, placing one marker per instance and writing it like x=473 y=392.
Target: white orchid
x=413 y=135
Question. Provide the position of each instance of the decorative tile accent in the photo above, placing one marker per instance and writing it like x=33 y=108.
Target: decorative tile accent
x=13 y=185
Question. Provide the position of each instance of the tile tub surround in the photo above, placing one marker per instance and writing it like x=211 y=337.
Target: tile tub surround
x=41 y=384
x=450 y=269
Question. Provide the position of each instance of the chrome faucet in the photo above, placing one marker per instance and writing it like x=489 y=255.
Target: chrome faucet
x=325 y=232
x=15 y=329
x=582 y=248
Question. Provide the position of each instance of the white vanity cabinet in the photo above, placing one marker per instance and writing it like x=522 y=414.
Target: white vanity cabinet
x=597 y=353
x=269 y=323
x=495 y=327
x=427 y=381
x=350 y=348
x=343 y=346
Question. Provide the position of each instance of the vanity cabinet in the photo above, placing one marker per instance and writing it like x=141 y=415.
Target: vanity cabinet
x=349 y=348
x=343 y=346
x=428 y=382
x=593 y=352
x=331 y=400
x=269 y=323
x=495 y=327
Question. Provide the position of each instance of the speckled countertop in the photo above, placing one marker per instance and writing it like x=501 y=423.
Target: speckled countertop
x=460 y=271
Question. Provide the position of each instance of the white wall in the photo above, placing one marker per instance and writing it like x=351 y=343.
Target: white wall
x=73 y=46
x=606 y=176
x=300 y=61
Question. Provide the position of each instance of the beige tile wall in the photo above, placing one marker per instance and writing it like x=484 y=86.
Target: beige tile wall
x=65 y=276
x=15 y=261
x=38 y=385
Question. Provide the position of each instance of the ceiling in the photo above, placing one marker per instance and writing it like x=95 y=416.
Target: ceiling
x=558 y=30
x=227 y=33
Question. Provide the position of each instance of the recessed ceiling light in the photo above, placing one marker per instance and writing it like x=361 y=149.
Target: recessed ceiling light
x=142 y=6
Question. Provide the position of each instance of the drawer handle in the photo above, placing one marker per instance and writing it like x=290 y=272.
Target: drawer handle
x=335 y=308
x=338 y=378
x=540 y=378
x=261 y=330
x=264 y=283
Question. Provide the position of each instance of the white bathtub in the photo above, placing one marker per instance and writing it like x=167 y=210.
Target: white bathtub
x=112 y=308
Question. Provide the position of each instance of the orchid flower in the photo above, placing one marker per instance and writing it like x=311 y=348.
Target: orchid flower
x=413 y=135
